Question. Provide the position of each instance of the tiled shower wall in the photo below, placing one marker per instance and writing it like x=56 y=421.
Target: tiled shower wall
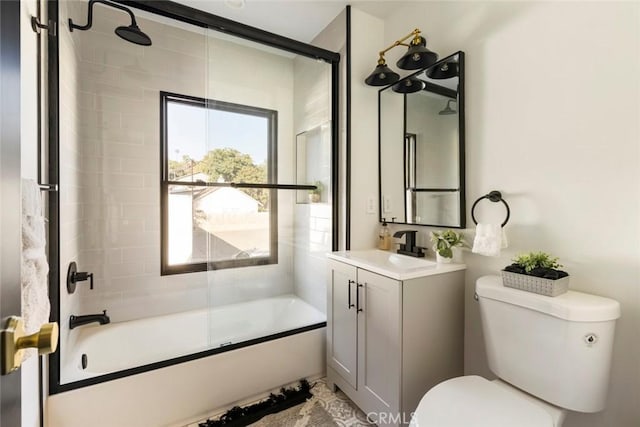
x=312 y=114
x=110 y=134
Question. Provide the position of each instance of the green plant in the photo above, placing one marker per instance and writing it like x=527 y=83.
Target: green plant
x=444 y=241
x=532 y=260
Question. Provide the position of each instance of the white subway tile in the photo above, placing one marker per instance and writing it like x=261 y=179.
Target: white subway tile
x=141 y=253
x=86 y=101
x=100 y=164
x=136 y=196
x=139 y=210
x=127 y=269
x=104 y=102
x=101 y=136
x=129 y=91
x=128 y=151
x=148 y=165
x=99 y=119
x=152 y=181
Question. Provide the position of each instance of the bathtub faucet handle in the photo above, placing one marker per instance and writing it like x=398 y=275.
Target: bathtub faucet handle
x=74 y=276
x=81 y=276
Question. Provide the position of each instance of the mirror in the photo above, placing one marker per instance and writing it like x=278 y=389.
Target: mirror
x=421 y=147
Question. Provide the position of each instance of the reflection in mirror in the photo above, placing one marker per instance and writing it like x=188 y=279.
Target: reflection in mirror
x=422 y=148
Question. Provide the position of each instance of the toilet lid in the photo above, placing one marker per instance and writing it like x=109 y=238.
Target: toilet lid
x=473 y=401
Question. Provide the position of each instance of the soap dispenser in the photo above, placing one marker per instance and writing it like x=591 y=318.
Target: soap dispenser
x=384 y=237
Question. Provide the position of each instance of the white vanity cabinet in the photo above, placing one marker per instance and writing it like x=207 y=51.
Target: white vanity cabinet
x=392 y=332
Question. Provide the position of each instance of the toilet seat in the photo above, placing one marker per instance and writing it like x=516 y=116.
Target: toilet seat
x=473 y=401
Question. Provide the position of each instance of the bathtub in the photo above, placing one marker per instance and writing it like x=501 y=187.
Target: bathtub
x=181 y=392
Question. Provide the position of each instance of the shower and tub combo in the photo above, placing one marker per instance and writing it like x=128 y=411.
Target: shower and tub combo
x=183 y=181
x=97 y=349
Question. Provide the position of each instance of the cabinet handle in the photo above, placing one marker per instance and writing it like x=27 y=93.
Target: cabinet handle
x=349 y=305
x=358 y=309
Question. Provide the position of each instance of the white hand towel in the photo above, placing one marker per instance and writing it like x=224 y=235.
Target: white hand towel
x=35 y=299
x=488 y=239
x=505 y=241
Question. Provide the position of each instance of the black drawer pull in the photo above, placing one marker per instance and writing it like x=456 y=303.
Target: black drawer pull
x=349 y=305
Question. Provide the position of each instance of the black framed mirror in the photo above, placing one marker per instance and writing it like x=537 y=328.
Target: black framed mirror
x=421 y=147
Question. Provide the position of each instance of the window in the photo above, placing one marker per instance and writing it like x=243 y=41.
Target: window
x=219 y=205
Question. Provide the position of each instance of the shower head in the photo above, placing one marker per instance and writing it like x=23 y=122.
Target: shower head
x=448 y=110
x=131 y=33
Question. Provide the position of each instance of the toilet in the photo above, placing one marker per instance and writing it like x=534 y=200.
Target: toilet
x=550 y=354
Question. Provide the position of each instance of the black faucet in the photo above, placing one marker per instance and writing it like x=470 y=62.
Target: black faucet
x=75 y=321
x=409 y=247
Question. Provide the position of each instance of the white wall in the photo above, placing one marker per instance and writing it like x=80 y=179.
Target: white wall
x=367 y=39
x=553 y=102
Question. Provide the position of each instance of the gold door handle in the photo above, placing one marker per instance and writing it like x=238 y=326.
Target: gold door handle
x=14 y=342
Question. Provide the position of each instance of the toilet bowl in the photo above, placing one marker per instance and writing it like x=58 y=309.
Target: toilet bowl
x=473 y=401
x=551 y=354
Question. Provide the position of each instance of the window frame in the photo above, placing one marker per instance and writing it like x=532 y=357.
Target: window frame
x=165 y=182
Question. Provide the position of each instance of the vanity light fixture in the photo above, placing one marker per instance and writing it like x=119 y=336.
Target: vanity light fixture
x=410 y=85
x=416 y=57
x=446 y=70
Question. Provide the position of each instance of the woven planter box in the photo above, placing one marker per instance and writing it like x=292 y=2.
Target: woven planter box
x=538 y=285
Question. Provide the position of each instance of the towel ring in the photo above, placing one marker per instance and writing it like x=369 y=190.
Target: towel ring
x=494 y=196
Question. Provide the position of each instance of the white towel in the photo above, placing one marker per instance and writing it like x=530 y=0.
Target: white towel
x=505 y=242
x=490 y=238
x=35 y=299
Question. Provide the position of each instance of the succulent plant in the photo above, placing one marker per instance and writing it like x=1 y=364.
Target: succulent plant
x=532 y=260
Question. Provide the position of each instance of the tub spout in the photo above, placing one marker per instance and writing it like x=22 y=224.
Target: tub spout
x=102 y=319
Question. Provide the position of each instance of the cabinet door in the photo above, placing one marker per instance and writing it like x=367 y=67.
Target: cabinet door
x=342 y=321
x=379 y=343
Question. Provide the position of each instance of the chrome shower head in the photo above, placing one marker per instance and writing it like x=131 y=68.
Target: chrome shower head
x=448 y=110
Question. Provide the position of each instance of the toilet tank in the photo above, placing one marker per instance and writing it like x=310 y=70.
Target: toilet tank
x=555 y=348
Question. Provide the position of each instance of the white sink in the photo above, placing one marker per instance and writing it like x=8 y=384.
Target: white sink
x=403 y=261
x=390 y=264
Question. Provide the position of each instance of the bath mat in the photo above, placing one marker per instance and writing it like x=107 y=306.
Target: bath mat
x=244 y=416
x=309 y=414
x=324 y=409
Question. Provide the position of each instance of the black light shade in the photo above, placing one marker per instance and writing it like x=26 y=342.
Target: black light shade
x=448 y=110
x=417 y=56
x=408 y=85
x=133 y=34
x=446 y=70
x=382 y=76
